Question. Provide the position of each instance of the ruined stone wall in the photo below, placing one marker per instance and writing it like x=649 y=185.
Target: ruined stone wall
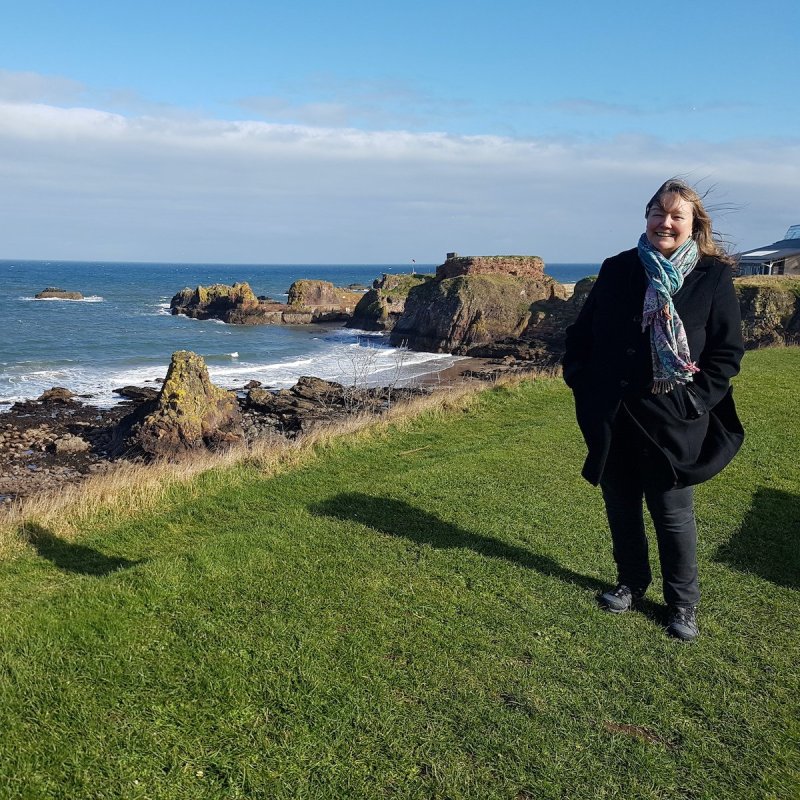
x=518 y=266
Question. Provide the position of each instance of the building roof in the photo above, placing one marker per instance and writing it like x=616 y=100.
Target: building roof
x=788 y=246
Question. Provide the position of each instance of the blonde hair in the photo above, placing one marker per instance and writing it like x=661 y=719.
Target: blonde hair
x=702 y=231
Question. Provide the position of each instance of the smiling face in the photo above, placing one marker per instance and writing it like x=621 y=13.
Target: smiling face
x=669 y=223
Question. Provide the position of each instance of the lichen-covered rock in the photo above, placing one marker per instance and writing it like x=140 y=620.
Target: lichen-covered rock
x=542 y=340
x=381 y=307
x=309 y=301
x=189 y=414
x=770 y=306
x=235 y=304
x=454 y=314
x=52 y=293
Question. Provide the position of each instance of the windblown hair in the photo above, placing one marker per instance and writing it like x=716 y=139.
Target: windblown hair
x=702 y=232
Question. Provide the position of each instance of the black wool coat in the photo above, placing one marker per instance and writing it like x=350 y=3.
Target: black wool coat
x=693 y=431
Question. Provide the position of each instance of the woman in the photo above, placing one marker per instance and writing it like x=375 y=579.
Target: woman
x=649 y=360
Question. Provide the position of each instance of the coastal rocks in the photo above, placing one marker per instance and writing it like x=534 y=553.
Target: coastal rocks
x=137 y=393
x=309 y=301
x=550 y=318
x=69 y=443
x=314 y=402
x=44 y=446
x=770 y=306
x=324 y=301
x=235 y=304
x=53 y=293
x=381 y=307
x=476 y=306
x=189 y=414
x=58 y=394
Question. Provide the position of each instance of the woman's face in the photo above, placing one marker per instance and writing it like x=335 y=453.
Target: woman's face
x=669 y=223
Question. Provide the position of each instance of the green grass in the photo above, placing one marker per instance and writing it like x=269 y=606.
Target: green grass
x=412 y=615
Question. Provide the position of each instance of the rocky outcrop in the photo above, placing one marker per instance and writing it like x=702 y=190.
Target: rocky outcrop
x=542 y=340
x=235 y=304
x=324 y=301
x=770 y=308
x=314 y=402
x=309 y=301
x=189 y=414
x=381 y=307
x=52 y=293
x=475 y=307
x=549 y=318
x=58 y=394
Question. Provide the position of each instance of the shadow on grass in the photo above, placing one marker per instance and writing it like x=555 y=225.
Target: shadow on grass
x=71 y=557
x=768 y=543
x=396 y=518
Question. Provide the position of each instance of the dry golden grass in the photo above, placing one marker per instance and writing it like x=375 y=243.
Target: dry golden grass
x=132 y=488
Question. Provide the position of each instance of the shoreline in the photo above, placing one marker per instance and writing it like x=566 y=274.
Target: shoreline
x=62 y=440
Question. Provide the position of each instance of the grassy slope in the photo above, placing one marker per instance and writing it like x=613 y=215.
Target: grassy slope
x=412 y=615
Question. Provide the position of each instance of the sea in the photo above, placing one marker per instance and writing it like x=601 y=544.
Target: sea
x=122 y=332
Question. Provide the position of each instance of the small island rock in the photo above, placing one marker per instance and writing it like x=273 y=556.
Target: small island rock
x=53 y=293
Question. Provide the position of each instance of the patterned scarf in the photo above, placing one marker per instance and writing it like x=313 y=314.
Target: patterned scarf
x=669 y=347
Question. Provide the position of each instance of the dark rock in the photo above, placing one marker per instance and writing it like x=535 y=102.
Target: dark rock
x=52 y=293
x=138 y=393
x=317 y=389
x=58 y=394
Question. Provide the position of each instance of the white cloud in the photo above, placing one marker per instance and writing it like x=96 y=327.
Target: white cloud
x=84 y=183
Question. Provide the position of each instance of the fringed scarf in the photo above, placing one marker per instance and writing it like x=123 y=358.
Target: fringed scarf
x=669 y=347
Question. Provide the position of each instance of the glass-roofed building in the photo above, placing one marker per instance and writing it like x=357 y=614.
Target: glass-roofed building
x=779 y=258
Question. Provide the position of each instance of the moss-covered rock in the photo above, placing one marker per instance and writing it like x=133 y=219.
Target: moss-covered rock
x=189 y=414
x=454 y=314
x=228 y=303
x=770 y=308
x=381 y=307
x=309 y=301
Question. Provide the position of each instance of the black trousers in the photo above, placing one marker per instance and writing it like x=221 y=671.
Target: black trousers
x=632 y=476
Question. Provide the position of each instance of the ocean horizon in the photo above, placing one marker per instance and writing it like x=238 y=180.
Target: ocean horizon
x=122 y=333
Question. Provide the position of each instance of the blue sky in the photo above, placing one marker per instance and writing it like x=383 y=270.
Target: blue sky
x=381 y=132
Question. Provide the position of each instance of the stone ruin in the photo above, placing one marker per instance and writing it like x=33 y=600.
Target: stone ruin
x=518 y=266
